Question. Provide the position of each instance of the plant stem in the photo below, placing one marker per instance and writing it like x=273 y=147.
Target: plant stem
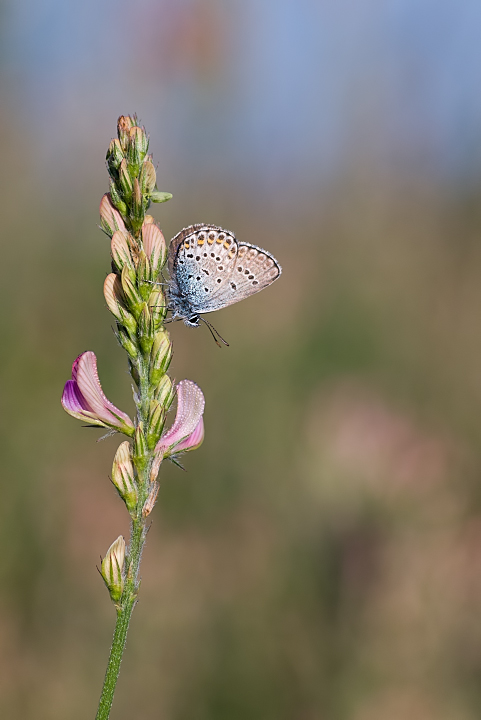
x=137 y=541
x=124 y=613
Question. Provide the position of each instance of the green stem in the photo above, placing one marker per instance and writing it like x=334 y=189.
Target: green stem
x=124 y=614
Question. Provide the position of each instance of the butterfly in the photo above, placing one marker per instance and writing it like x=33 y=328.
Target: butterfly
x=209 y=270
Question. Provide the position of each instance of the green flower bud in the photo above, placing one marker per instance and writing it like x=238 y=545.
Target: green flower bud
x=139 y=453
x=125 y=181
x=157 y=307
x=115 y=155
x=133 y=300
x=145 y=330
x=137 y=148
x=138 y=208
x=123 y=476
x=165 y=392
x=114 y=297
x=112 y=568
x=160 y=357
x=127 y=343
x=144 y=275
x=116 y=199
x=156 y=424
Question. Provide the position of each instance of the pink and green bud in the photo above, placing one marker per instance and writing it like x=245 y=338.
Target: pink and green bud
x=123 y=476
x=150 y=502
x=114 y=155
x=114 y=297
x=120 y=250
x=110 y=218
x=117 y=200
x=161 y=356
x=154 y=247
x=139 y=453
x=84 y=399
x=147 y=177
x=145 y=329
x=112 y=568
x=144 y=275
x=132 y=298
x=137 y=148
x=125 y=181
x=138 y=210
x=124 y=124
x=157 y=307
x=165 y=391
x=156 y=423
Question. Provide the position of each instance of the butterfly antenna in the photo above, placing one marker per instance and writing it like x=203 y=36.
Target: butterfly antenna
x=214 y=332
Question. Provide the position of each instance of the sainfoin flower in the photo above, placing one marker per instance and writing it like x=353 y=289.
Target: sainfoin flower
x=84 y=399
x=187 y=432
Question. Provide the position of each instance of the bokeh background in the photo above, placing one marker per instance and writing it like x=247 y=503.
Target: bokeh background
x=321 y=557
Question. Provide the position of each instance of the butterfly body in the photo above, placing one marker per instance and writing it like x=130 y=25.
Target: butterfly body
x=209 y=270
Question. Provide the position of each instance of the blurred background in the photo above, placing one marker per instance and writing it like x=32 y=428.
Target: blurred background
x=321 y=557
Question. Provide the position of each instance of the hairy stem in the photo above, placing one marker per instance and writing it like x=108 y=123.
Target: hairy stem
x=124 y=614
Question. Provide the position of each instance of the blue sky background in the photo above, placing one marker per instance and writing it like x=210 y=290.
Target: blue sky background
x=275 y=89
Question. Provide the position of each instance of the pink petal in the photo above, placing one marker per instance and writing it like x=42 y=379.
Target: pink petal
x=110 y=215
x=85 y=373
x=154 y=244
x=190 y=408
x=74 y=403
x=194 y=440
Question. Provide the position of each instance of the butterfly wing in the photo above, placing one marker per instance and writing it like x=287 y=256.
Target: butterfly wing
x=254 y=269
x=201 y=259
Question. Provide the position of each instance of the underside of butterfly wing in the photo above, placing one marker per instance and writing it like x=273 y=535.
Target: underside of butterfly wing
x=254 y=269
x=201 y=259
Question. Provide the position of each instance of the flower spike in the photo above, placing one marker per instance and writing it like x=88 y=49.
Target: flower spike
x=84 y=399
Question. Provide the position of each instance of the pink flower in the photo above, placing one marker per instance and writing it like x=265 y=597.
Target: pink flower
x=83 y=397
x=187 y=432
